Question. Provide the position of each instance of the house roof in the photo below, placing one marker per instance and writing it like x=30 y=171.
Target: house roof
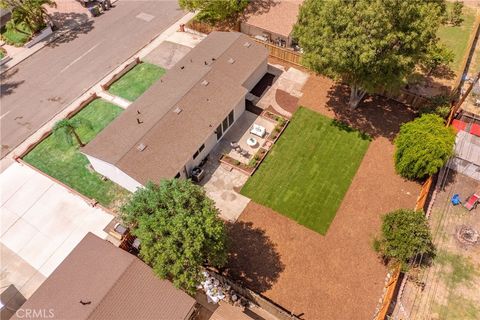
x=279 y=17
x=117 y=284
x=172 y=138
x=467 y=147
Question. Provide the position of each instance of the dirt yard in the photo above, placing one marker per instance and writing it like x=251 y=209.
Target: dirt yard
x=337 y=276
x=451 y=283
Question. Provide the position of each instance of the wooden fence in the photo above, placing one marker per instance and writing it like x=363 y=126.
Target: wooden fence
x=468 y=56
x=261 y=301
x=281 y=53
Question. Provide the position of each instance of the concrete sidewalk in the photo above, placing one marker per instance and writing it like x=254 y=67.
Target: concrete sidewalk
x=67 y=16
x=41 y=223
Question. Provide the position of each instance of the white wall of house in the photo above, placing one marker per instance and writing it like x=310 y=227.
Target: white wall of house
x=256 y=31
x=114 y=174
x=256 y=75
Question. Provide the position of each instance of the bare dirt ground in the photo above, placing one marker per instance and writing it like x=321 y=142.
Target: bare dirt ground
x=337 y=276
x=452 y=281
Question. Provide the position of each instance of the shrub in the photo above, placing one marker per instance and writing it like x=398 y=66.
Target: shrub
x=456 y=13
x=179 y=229
x=423 y=146
x=213 y=11
x=405 y=234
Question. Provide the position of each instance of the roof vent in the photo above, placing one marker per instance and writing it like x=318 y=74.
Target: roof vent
x=205 y=83
x=247 y=44
x=231 y=60
x=177 y=110
x=141 y=147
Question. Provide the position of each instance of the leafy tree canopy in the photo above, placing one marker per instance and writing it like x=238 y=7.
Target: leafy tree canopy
x=213 y=11
x=423 y=146
x=405 y=233
x=30 y=12
x=179 y=230
x=369 y=44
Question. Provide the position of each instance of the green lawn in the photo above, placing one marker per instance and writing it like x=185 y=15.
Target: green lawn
x=309 y=170
x=17 y=38
x=64 y=162
x=456 y=38
x=135 y=82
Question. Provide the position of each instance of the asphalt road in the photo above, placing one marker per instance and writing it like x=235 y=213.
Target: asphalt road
x=45 y=83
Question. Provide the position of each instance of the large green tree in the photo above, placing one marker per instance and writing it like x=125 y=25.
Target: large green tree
x=32 y=13
x=423 y=146
x=369 y=44
x=213 y=11
x=405 y=234
x=179 y=230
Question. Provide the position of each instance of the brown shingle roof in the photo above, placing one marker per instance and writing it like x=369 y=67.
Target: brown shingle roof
x=170 y=138
x=279 y=18
x=118 y=285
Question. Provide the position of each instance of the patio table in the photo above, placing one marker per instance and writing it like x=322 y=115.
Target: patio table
x=252 y=142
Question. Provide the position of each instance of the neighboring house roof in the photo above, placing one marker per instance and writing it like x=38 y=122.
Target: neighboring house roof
x=171 y=139
x=117 y=284
x=467 y=147
x=279 y=17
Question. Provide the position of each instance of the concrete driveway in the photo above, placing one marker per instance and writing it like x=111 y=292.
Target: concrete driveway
x=41 y=223
x=176 y=46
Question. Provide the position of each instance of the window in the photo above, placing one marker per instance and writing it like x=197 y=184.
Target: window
x=230 y=118
x=177 y=176
x=225 y=124
x=198 y=151
x=219 y=132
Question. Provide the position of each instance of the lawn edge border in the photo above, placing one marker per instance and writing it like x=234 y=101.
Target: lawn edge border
x=105 y=86
x=72 y=113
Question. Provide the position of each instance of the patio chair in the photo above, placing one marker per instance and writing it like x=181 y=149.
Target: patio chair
x=245 y=153
x=234 y=145
x=471 y=202
x=456 y=199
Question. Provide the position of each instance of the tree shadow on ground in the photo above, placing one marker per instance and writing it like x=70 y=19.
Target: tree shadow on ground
x=258 y=7
x=253 y=258
x=8 y=87
x=72 y=24
x=376 y=116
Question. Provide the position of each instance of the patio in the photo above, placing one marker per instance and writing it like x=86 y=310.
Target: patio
x=240 y=133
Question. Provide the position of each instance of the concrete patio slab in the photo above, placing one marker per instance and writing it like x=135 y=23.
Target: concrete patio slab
x=41 y=223
x=220 y=183
x=167 y=54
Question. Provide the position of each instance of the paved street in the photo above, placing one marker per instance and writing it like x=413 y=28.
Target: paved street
x=41 y=86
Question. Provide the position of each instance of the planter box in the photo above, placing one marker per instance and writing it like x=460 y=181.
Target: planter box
x=39 y=37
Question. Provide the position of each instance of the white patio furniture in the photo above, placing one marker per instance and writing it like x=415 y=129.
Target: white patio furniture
x=258 y=130
x=252 y=142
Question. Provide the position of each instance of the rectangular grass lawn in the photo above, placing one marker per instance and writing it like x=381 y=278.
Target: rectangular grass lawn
x=456 y=38
x=64 y=162
x=136 y=81
x=308 y=171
